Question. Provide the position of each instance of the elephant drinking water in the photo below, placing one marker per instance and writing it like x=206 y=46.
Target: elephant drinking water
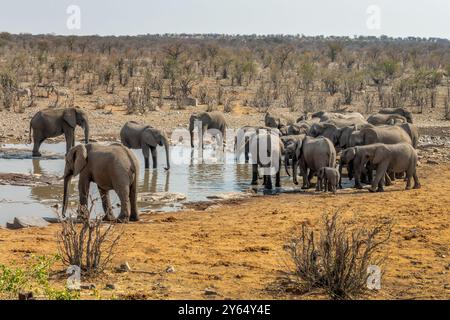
x=136 y=136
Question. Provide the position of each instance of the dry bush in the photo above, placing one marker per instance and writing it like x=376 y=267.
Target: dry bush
x=87 y=242
x=337 y=258
x=446 y=108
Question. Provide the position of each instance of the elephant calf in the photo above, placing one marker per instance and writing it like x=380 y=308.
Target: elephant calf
x=328 y=179
x=112 y=167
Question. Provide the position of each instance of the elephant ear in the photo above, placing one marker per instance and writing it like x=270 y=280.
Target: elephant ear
x=76 y=159
x=149 y=137
x=380 y=154
x=70 y=116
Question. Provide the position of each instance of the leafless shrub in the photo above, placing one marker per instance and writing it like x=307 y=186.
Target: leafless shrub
x=229 y=100
x=447 y=108
x=87 y=242
x=211 y=104
x=90 y=85
x=368 y=102
x=290 y=95
x=337 y=259
x=263 y=98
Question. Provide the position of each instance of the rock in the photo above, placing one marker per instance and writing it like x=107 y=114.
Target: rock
x=170 y=269
x=26 y=296
x=229 y=196
x=430 y=161
x=110 y=286
x=210 y=292
x=90 y=286
x=125 y=267
x=27 y=222
x=161 y=197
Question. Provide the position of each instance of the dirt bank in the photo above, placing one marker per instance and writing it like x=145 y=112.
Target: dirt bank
x=236 y=249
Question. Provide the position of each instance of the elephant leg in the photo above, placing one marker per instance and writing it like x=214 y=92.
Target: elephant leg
x=146 y=153
x=416 y=181
x=254 y=174
x=83 y=190
x=154 y=157
x=268 y=182
x=124 y=196
x=381 y=171
x=134 y=216
x=247 y=149
x=278 y=176
x=388 y=180
x=70 y=139
x=106 y=203
x=37 y=144
x=408 y=182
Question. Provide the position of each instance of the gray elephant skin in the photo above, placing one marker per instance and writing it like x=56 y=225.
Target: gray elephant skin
x=146 y=138
x=210 y=120
x=50 y=123
x=310 y=154
x=400 y=111
x=328 y=179
x=112 y=167
x=378 y=119
x=266 y=139
x=396 y=158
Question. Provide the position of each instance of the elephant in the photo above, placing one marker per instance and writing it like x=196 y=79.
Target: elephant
x=274 y=150
x=50 y=123
x=112 y=167
x=328 y=179
x=381 y=134
x=277 y=122
x=400 y=111
x=310 y=154
x=364 y=174
x=209 y=120
x=386 y=119
x=413 y=133
x=242 y=136
x=327 y=116
x=396 y=158
x=294 y=129
x=137 y=136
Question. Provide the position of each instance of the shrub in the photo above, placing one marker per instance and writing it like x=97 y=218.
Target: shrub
x=89 y=244
x=34 y=278
x=338 y=259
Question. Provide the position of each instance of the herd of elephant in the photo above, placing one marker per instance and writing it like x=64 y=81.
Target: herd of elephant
x=385 y=142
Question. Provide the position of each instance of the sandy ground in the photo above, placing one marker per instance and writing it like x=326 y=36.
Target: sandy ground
x=236 y=250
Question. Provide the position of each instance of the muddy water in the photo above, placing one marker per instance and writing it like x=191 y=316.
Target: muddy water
x=189 y=174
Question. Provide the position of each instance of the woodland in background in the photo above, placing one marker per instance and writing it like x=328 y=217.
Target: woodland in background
x=152 y=72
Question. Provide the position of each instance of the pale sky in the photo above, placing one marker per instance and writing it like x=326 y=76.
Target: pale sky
x=424 y=18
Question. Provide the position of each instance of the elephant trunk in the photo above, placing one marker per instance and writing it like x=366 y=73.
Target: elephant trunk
x=86 y=132
x=191 y=132
x=67 y=180
x=286 y=163
x=166 y=146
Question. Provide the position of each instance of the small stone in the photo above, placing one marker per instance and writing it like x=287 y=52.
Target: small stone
x=27 y=222
x=210 y=292
x=110 y=286
x=170 y=269
x=125 y=267
x=90 y=286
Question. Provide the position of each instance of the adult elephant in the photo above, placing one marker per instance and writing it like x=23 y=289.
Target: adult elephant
x=400 y=111
x=146 y=138
x=50 y=123
x=396 y=158
x=273 y=121
x=209 y=120
x=112 y=167
x=310 y=154
x=242 y=137
x=413 y=133
x=327 y=116
x=295 y=129
x=269 y=159
x=378 y=119
x=383 y=134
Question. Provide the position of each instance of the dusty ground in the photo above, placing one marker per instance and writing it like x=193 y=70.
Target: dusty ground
x=236 y=250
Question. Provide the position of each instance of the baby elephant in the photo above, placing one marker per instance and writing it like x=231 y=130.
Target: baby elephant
x=328 y=176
